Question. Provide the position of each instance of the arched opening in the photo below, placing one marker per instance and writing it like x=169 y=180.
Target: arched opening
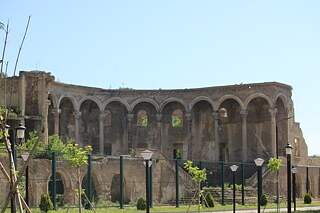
x=174 y=141
x=115 y=129
x=145 y=132
x=89 y=125
x=66 y=120
x=115 y=190
x=203 y=131
x=84 y=185
x=259 y=129
x=282 y=119
x=230 y=131
x=50 y=118
x=59 y=189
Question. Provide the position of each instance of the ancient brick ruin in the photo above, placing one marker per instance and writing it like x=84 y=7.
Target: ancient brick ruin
x=235 y=123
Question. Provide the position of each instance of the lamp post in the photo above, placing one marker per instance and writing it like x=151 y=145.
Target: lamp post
x=15 y=138
x=259 y=163
x=147 y=154
x=288 y=153
x=25 y=157
x=294 y=171
x=234 y=169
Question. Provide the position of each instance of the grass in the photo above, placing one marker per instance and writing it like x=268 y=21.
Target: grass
x=194 y=208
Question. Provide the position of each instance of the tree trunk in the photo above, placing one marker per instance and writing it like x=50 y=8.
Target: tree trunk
x=79 y=191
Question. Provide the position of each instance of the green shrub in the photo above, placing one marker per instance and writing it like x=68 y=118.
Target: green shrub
x=141 y=204
x=264 y=200
x=307 y=198
x=209 y=201
x=45 y=203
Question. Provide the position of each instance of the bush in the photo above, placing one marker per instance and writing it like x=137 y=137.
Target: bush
x=307 y=198
x=264 y=200
x=45 y=203
x=209 y=201
x=141 y=204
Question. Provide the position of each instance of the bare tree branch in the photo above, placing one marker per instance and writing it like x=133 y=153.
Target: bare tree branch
x=17 y=60
x=4 y=48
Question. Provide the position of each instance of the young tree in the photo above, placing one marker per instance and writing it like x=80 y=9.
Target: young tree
x=198 y=175
x=76 y=157
x=274 y=166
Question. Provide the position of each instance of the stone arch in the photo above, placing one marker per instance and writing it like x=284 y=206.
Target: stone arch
x=90 y=125
x=71 y=98
x=93 y=99
x=64 y=187
x=284 y=100
x=230 y=130
x=144 y=100
x=203 y=140
x=66 y=119
x=230 y=97
x=54 y=99
x=170 y=100
x=175 y=137
x=145 y=136
x=115 y=134
x=202 y=98
x=258 y=95
x=116 y=99
x=259 y=128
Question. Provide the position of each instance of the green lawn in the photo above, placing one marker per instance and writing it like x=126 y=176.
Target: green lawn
x=129 y=209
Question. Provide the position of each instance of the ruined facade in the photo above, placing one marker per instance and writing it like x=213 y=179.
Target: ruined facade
x=236 y=123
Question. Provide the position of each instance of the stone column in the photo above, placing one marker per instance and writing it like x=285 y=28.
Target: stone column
x=44 y=122
x=77 y=116
x=273 y=113
x=216 y=136
x=130 y=117
x=159 y=144
x=56 y=115
x=101 y=134
x=244 y=115
x=189 y=120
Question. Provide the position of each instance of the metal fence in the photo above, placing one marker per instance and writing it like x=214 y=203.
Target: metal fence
x=121 y=181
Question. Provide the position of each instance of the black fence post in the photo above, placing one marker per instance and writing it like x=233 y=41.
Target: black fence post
x=177 y=183
x=121 y=182
x=242 y=183
x=54 y=180
x=222 y=183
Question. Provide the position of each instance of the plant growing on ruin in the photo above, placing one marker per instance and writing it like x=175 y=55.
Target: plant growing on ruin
x=76 y=157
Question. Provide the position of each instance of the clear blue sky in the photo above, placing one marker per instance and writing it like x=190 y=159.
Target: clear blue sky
x=174 y=44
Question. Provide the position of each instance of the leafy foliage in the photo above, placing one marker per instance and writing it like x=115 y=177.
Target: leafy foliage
x=141 y=204
x=264 y=200
x=75 y=156
x=197 y=174
x=209 y=201
x=45 y=203
x=307 y=198
x=176 y=121
x=274 y=164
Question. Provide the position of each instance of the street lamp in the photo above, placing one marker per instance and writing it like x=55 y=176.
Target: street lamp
x=288 y=153
x=259 y=163
x=234 y=169
x=13 y=135
x=147 y=154
x=25 y=157
x=294 y=171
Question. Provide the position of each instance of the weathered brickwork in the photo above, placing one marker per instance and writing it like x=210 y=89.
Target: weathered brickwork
x=236 y=123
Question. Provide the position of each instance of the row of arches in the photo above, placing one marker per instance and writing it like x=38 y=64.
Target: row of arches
x=198 y=130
